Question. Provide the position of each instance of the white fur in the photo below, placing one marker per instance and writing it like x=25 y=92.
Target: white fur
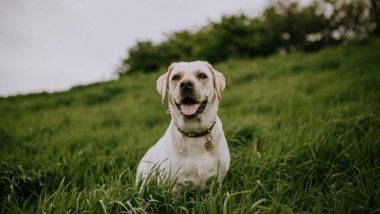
x=178 y=156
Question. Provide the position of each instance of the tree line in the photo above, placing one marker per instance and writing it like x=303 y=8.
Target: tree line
x=283 y=26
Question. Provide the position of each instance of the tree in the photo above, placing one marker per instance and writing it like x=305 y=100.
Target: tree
x=284 y=24
x=142 y=57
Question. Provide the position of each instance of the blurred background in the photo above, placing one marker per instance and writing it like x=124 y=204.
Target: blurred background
x=52 y=46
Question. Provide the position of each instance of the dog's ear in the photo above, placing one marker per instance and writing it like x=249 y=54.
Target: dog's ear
x=163 y=81
x=219 y=81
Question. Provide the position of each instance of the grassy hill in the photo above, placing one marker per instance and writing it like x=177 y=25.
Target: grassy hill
x=303 y=131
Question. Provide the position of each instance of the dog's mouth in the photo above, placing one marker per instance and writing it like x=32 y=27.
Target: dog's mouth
x=189 y=107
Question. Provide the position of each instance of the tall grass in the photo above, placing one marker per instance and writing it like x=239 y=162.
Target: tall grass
x=303 y=131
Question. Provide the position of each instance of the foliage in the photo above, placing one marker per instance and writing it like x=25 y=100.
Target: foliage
x=303 y=131
x=283 y=26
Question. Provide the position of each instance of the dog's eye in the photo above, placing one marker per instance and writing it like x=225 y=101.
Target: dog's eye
x=202 y=76
x=176 y=77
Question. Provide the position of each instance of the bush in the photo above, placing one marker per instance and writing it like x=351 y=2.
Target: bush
x=284 y=25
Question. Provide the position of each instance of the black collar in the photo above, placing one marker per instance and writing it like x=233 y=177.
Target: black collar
x=197 y=134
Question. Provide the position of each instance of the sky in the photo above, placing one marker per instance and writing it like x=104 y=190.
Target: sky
x=48 y=45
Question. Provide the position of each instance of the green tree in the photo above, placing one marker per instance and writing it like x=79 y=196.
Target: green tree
x=283 y=25
x=143 y=56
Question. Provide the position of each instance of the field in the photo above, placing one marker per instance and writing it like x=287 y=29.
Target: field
x=303 y=130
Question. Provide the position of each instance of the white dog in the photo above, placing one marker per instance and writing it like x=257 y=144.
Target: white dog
x=194 y=148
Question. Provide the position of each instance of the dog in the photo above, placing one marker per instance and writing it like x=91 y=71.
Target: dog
x=193 y=149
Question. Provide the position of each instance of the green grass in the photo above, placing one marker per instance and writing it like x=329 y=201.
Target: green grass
x=303 y=131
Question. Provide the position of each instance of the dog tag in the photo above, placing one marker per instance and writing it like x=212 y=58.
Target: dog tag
x=208 y=145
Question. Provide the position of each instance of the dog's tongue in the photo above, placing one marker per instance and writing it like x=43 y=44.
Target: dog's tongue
x=189 y=109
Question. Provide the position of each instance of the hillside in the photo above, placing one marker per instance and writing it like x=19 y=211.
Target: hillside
x=303 y=131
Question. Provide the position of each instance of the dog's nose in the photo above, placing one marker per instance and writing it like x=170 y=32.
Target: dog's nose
x=186 y=84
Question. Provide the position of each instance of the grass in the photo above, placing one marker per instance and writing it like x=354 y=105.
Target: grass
x=303 y=131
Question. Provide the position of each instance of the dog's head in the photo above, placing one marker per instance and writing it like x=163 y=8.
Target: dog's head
x=193 y=89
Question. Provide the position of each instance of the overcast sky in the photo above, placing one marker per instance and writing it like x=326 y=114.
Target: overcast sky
x=52 y=45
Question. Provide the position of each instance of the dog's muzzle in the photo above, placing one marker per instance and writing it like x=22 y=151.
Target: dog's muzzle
x=187 y=88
